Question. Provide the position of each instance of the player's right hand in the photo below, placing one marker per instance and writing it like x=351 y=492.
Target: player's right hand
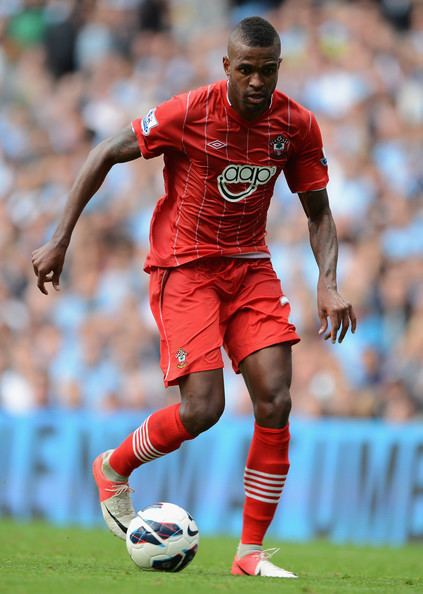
x=47 y=262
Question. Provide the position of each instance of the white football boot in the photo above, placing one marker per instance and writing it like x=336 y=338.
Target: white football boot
x=115 y=501
x=257 y=563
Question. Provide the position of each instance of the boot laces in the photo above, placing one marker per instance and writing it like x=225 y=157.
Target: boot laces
x=120 y=503
x=120 y=489
x=267 y=554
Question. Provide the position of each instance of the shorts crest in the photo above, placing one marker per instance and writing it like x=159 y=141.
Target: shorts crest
x=181 y=356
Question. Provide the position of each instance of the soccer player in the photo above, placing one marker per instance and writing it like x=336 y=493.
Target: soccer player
x=211 y=279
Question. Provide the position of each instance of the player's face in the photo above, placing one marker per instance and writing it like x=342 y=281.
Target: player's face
x=252 y=74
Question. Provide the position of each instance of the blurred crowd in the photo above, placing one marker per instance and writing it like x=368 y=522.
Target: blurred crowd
x=73 y=72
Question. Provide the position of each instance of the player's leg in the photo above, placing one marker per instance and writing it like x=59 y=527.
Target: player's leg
x=258 y=340
x=202 y=400
x=202 y=403
x=187 y=317
x=267 y=374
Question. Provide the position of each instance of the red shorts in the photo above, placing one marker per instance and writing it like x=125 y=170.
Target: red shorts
x=201 y=306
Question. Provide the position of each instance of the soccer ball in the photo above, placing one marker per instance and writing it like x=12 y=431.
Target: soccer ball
x=162 y=537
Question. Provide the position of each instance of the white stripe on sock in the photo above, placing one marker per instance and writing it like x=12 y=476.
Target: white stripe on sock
x=148 y=439
x=135 y=444
x=265 y=474
x=143 y=449
x=263 y=487
x=142 y=446
x=263 y=481
x=144 y=443
x=259 y=498
x=261 y=492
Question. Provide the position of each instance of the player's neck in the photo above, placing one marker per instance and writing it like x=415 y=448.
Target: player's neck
x=245 y=113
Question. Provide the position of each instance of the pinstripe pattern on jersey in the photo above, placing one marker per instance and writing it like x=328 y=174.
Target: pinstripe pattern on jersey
x=206 y=174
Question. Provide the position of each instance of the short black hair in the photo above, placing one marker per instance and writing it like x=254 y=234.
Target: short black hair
x=256 y=32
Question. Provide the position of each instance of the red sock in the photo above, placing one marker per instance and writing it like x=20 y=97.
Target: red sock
x=162 y=432
x=264 y=478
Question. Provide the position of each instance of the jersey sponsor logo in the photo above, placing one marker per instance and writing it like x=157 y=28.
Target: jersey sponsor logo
x=149 y=121
x=250 y=177
x=216 y=144
x=279 y=146
x=324 y=160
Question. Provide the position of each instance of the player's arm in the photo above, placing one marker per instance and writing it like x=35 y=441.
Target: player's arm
x=324 y=244
x=48 y=259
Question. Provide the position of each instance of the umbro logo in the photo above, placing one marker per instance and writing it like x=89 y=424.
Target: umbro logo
x=216 y=144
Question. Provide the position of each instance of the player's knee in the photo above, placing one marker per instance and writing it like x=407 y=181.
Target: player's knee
x=273 y=408
x=198 y=415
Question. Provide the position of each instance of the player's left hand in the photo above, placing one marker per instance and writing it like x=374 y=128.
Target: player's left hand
x=340 y=313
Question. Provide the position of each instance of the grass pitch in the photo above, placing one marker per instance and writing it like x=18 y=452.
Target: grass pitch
x=40 y=559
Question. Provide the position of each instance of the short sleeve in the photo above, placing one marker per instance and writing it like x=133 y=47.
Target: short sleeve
x=161 y=129
x=307 y=168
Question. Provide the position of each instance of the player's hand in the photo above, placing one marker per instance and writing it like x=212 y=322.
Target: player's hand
x=340 y=313
x=47 y=262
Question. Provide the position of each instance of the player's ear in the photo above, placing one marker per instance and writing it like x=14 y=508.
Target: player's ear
x=226 y=65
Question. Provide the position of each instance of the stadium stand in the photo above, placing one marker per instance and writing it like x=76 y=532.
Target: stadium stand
x=71 y=73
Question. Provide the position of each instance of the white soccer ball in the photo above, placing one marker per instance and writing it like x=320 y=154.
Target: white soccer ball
x=162 y=537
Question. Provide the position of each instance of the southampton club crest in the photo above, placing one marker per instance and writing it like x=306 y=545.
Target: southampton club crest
x=181 y=357
x=279 y=146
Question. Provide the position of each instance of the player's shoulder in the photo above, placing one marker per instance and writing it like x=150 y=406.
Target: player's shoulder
x=206 y=91
x=196 y=102
x=190 y=105
x=297 y=114
x=204 y=96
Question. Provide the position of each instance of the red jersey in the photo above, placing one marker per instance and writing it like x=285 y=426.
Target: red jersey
x=220 y=171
